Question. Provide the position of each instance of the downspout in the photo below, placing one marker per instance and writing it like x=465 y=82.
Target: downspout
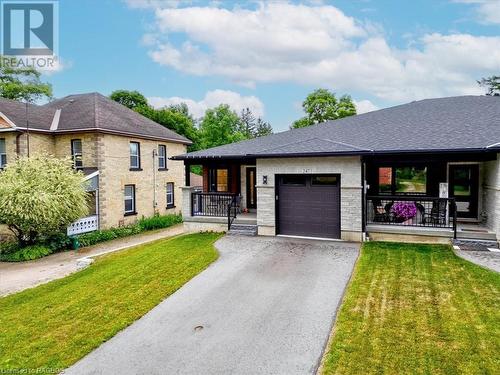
x=155 y=203
x=363 y=197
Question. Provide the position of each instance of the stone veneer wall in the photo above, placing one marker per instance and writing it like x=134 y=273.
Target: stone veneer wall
x=350 y=190
x=114 y=173
x=491 y=194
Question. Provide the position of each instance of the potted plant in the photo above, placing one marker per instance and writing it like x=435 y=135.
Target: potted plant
x=403 y=212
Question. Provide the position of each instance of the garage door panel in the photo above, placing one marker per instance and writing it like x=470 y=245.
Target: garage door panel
x=309 y=210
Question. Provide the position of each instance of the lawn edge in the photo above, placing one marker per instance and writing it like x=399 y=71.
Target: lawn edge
x=333 y=326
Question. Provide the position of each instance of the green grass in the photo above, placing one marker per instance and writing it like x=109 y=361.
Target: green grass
x=417 y=309
x=54 y=325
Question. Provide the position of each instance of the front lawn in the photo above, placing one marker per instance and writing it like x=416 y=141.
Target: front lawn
x=417 y=309
x=54 y=325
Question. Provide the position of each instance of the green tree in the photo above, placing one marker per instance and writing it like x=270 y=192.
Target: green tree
x=263 y=128
x=247 y=123
x=40 y=196
x=220 y=126
x=22 y=83
x=322 y=105
x=492 y=84
x=130 y=99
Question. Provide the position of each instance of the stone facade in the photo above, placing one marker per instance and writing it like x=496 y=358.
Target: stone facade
x=349 y=169
x=491 y=194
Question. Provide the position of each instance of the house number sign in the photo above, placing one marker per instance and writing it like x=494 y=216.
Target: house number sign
x=306 y=170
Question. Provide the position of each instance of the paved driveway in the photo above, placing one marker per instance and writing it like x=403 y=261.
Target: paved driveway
x=265 y=307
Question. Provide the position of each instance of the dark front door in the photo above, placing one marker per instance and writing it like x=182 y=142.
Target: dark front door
x=464 y=187
x=309 y=205
x=251 y=190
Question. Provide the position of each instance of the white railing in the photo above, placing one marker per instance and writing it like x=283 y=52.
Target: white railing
x=83 y=225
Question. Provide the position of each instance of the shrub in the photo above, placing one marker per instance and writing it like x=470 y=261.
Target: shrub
x=26 y=253
x=158 y=222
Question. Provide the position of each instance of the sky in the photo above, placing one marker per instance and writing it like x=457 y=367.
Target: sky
x=269 y=55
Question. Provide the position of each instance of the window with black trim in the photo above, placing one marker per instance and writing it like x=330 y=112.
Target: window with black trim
x=129 y=197
x=402 y=180
x=324 y=180
x=293 y=180
x=170 y=195
x=135 y=155
x=162 y=157
x=219 y=180
x=77 y=153
x=3 y=153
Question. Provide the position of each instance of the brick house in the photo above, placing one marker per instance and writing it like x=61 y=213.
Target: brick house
x=426 y=171
x=124 y=155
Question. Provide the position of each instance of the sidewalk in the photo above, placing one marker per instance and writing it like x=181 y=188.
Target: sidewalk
x=15 y=277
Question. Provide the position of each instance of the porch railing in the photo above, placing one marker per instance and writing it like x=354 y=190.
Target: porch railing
x=232 y=211
x=210 y=204
x=415 y=211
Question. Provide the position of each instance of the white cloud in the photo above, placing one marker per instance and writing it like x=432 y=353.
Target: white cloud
x=320 y=45
x=153 y=4
x=212 y=99
x=488 y=11
x=363 y=106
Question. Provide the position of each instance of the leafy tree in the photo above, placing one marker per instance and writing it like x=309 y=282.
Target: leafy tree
x=247 y=123
x=22 y=83
x=130 y=99
x=321 y=105
x=263 y=128
x=40 y=196
x=492 y=84
x=220 y=126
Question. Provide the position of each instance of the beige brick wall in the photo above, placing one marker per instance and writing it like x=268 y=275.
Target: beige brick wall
x=351 y=191
x=114 y=174
x=491 y=194
x=39 y=144
x=62 y=147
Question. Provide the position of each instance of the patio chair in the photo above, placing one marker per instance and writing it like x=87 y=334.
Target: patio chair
x=437 y=216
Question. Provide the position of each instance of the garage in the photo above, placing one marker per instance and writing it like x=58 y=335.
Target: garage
x=308 y=205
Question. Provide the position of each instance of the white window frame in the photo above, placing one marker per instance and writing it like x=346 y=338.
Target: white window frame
x=3 y=155
x=129 y=198
x=136 y=155
x=77 y=156
x=162 y=159
x=170 y=194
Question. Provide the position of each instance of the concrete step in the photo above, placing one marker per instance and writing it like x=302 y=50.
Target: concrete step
x=475 y=245
x=476 y=235
x=243 y=230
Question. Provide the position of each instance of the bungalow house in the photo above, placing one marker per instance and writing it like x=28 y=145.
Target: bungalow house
x=124 y=156
x=426 y=170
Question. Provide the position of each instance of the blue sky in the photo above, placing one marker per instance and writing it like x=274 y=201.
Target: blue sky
x=269 y=56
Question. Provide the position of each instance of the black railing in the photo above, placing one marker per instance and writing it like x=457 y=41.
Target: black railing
x=232 y=211
x=210 y=204
x=416 y=211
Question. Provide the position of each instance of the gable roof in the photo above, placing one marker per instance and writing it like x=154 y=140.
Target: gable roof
x=87 y=112
x=462 y=123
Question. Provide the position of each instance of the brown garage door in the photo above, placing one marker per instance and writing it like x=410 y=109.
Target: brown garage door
x=309 y=205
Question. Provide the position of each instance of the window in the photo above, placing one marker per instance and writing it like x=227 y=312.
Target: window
x=218 y=180
x=402 y=180
x=170 y=194
x=162 y=157
x=129 y=199
x=135 y=155
x=92 y=202
x=76 y=153
x=293 y=180
x=324 y=180
x=3 y=153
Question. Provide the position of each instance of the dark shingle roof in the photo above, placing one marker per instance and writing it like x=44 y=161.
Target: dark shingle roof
x=445 y=124
x=88 y=112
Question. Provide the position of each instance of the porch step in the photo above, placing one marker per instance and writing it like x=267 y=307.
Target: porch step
x=476 y=235
x=243 y=230
x=475 y=245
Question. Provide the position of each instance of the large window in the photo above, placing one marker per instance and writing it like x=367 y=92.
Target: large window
x=76 y=153
x=170 y=194
x=135 y=155
x=3 y=153
x=162 y=157
x=402 y=180
x=129 y=199
x=219 y=180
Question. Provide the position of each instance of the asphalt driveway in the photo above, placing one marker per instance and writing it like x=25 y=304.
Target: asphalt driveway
x=265 y=307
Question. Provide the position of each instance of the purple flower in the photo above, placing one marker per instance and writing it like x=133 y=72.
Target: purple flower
x=404 y=210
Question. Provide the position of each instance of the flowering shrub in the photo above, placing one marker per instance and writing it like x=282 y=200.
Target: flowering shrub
x=404 y=210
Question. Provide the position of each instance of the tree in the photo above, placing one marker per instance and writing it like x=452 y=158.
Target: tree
x=247 y=123
x=263 y=128
x=40 y=196
x=492 y=84
x=22 y=83
x=130 y=99
x=220 y=126
x=321 y=105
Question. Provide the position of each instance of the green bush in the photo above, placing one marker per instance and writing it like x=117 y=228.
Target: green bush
x=157 y=221
x=25 y=253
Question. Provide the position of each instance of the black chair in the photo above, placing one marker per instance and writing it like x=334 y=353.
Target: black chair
x=437 y=216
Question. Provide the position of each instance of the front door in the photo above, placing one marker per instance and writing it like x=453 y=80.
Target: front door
x=464 y=187
x=251 y=190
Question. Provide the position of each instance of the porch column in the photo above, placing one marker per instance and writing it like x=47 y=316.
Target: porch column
x=186 y=200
